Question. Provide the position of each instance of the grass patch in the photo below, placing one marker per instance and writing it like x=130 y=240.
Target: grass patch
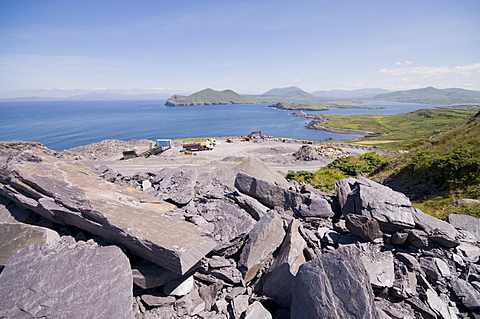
x=442 y=207
x=402 y=129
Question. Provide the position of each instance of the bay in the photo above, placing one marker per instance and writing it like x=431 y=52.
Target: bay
x=65 y=124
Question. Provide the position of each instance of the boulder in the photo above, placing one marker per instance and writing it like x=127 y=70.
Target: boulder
x=364 y=227
x=268 y=194
x=285 y=266
x=343 y=189
x=231 y=225
x=469 y=297
x=251 y=205
x=310 y=205
x=380 y=202
x=67 y=281
x=431 y=224
x=379 y=266
x=177 y=186
x=265 y=237
x=323 y=287
x=17 y=236
x=466 y=222
x=257 y=311
x=149 y=275
x=255 y=167
x=72 y=194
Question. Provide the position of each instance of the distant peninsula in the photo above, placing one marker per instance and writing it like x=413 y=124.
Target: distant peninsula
x=318 y=107
x=211 y=97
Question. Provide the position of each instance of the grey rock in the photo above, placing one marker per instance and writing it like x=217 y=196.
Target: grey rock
x=265 y=237
x=257 y=311
x=311 y=206
x=420 y=307
x=439 y=305
x=209 y=293
x=417 y=238
x=410 y=261
x=469 y=252
x=218 y=262
x=466 y=293
x=399 y=238
x=364 y=227
x=442 y=239
x=158 y=301
x=229 y=274
x=268 y=194
x=178 y=186
x=11 y=213
x=343 y=189
x=239 y=305
x=149 y=275
x=255 y=167
x=466 y=222
x=16 y=236
x=285 y=266
x=231 y=225
x=397 y=310
x=70 y=193
x=87 y=281
x=379 y=266
x=429 y=224
x=190 y=304
x=323 y=287
x=179 y=287
x=251 y=205
x=429 y=266
x=405 y=282
x=382 y=203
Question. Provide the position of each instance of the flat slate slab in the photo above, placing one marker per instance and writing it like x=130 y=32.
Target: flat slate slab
x=80 y=282
x=70 y=193
x=16 y=236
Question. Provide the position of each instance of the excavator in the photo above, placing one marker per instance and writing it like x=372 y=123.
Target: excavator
x=249 y=136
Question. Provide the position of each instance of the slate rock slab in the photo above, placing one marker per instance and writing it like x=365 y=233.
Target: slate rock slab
x=14 y=237
x=71 y=193
x=334 y=285
x=178 y=186
x=268 y=194
x=466 y=222
x=265 y=237
x=380 y=202
x=84 y=282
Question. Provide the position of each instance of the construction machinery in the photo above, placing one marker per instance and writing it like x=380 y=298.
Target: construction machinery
x=207 y=144
x=161 y=146
x=249 y=136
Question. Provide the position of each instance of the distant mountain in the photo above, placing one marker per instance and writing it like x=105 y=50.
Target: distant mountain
x=93 y=96
x=209 y=97
x=432 y=95
x=350 y=94
x=282 y=91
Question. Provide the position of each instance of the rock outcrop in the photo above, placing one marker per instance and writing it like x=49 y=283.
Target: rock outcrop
x=81 y=243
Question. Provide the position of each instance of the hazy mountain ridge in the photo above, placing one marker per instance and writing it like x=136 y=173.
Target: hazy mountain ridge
x=432 y=95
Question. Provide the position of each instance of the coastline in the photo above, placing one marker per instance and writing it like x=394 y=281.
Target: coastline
x=316 y=124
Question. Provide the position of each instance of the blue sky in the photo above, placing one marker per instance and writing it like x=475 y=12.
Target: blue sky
x=248 y=46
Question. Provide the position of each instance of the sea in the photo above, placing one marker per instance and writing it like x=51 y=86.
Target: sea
x=65 y=124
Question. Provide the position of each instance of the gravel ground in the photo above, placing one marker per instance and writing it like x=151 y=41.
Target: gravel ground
x=276 y=153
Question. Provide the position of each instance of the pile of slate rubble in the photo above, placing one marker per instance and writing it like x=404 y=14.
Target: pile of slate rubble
x=78 y=243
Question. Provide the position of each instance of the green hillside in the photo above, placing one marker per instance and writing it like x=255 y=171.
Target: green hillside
x=401 y=129
x=439 y=170
x=209 y=96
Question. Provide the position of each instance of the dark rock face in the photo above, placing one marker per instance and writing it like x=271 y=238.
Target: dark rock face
x=50 y=282
x=323 y=288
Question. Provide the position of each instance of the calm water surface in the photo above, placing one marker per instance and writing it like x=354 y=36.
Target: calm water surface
x=65 y=124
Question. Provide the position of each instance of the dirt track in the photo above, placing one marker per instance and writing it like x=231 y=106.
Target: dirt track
x=275 y=153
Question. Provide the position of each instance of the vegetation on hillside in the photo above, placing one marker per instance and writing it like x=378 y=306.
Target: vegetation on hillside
x=432 y=95
x=325 y=178
x=401 y=129
x=433 y=173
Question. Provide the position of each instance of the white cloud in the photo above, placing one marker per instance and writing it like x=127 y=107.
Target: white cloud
x=433 y=71
x=408 y=62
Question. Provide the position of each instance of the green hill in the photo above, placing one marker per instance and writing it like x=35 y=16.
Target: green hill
x=439 y=170
x=432 y=95
x=211 y=97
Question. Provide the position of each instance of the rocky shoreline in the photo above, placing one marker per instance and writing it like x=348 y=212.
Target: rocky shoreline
x=316 y=124
x=179 y=243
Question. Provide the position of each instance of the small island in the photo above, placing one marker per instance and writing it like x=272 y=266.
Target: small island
x=211 y=97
